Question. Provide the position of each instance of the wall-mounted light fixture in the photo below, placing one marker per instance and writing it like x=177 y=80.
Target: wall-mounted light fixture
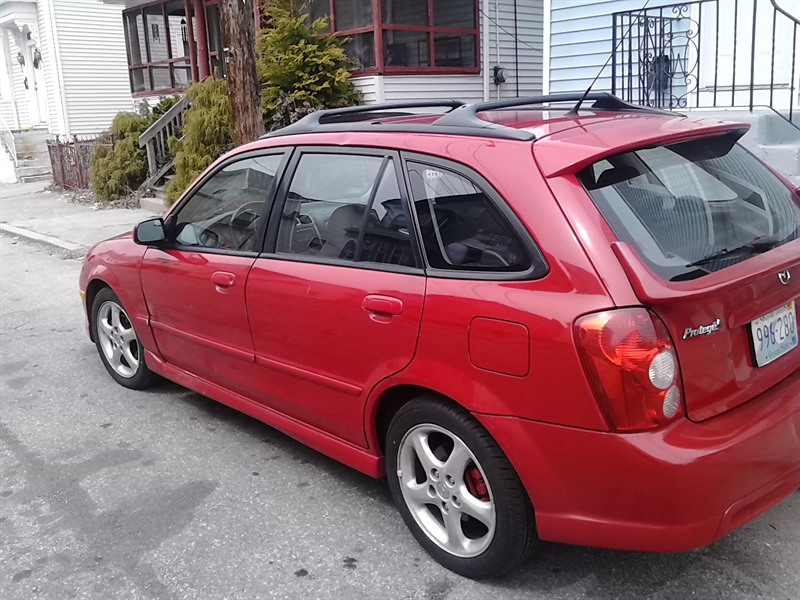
x=498 y=75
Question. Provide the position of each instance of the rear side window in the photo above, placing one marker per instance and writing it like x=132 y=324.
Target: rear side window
x=461 y=227
x=694 y=207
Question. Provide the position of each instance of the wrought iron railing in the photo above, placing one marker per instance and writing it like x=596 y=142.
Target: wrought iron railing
x=709 y=53
x=7 y=140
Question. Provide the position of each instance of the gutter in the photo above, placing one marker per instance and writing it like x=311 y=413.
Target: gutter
x=59 y=75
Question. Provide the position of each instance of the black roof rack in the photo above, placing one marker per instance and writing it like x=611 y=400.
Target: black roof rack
x=356 y=114
x=461 y=119
x=467 y=115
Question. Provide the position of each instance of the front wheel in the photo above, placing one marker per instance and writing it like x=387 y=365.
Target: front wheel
x=456 y=490
x=117 y=343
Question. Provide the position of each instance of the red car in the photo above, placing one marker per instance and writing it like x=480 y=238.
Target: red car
x=536 y=323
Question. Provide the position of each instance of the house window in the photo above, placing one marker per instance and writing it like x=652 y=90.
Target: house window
x=158 y=50
x=405 y=36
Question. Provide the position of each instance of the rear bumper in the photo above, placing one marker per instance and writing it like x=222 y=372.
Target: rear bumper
x=669 y=490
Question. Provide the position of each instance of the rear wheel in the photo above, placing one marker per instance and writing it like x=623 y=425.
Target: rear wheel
x=456 y=490
x=117 y=343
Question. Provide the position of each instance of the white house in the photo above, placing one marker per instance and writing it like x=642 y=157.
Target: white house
x=64 y=66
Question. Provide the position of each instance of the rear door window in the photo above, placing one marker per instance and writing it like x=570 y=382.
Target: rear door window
x=346 y=207
x=694 y=207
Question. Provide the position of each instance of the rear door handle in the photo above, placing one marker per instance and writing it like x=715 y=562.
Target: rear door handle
x=223 y=280
x=382 y=305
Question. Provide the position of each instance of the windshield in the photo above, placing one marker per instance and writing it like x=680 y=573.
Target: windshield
x=694 y=207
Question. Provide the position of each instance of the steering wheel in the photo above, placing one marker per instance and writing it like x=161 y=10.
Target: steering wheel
x=247 y=232
x=244 y=208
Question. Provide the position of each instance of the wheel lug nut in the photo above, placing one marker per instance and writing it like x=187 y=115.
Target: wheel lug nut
x=435 y=473
x=450 y=480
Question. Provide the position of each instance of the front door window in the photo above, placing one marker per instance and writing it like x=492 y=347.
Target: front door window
x=225 y=211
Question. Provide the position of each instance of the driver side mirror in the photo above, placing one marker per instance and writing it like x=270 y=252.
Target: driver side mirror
x=149 y=233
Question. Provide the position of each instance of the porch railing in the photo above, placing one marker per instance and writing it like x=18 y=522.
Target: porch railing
x=8 y=141
x=709 y=53
x=156 y=141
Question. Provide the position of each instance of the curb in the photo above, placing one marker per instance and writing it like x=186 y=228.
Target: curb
x=41 y=238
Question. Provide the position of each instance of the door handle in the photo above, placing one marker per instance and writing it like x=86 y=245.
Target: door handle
x=382 y=305
x=223 y=280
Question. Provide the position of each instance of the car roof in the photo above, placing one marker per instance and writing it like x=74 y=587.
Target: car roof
x=568 y=131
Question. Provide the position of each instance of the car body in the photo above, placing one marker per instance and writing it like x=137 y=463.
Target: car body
x=529 y=319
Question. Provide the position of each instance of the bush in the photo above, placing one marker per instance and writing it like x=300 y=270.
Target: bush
x=117 y=171
x=300 y=69
x=207 y=134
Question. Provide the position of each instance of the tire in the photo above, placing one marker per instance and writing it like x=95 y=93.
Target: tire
x=456 y=490
x=117 y=342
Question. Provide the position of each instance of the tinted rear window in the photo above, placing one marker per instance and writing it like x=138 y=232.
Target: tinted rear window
x=694 y=207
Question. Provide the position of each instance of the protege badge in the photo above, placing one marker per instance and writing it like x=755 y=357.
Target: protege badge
x=690 y=332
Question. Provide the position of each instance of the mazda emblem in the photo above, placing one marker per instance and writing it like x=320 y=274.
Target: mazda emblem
x=784 y=277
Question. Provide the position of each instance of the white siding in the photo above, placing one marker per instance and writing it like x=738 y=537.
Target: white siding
x=367 y=87
x=94 y=64
x=7 y=109
x=580 y=41
x=18 y=81
x=528 y=47
x=468 y=88
x=49 y=66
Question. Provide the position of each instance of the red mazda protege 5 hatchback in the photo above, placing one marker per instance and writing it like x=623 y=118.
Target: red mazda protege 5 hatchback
x=537 y=323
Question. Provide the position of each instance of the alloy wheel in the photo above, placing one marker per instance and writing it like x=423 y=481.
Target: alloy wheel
x=446 y=490
x=118 y=340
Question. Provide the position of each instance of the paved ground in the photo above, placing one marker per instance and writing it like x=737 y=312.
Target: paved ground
x=28 y=209
x=107 y=493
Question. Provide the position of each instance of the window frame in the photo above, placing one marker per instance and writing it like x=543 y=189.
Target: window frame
x=539 y=267
x=378 y=27
x=270 y=245
x=149 y=64
x=264 y=218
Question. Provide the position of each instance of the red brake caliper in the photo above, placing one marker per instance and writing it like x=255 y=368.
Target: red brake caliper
x=475 y=483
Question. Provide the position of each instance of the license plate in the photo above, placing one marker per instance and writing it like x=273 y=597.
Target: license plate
x=774 y=334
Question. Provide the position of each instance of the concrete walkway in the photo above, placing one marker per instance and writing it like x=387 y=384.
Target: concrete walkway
x=29 y=211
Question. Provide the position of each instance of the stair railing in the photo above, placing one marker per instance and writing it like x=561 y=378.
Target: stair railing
x=155 y=140
x=8 y=140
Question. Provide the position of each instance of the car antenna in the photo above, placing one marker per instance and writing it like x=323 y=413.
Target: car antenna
x=574 y=110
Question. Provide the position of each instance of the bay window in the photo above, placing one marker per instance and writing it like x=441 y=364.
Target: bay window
x=405 y=36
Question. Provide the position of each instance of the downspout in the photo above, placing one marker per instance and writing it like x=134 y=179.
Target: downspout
x=61 y=98
x=516 y=51
x=497 y=38
x=486 y=55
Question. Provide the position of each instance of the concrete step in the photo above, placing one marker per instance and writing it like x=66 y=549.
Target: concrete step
x=33 y=173
x=31 y=178
x=154 y=204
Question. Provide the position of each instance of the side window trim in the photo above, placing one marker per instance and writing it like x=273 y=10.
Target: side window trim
x=269 y=250
x=286 y=153
x=539 y=267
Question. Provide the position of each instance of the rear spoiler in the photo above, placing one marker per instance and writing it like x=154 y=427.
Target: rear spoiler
x=574 y=149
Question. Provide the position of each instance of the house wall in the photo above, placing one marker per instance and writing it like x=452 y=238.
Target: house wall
x=581 y=39
x=470 y=88
x=93 y=62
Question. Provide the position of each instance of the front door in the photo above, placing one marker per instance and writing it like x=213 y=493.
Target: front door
x=195 y=286
x=337 y=306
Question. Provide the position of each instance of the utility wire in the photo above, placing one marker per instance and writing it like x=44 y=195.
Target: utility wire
x=509 y=33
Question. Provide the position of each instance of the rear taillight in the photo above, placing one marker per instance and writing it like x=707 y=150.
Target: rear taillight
x=631 y=364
